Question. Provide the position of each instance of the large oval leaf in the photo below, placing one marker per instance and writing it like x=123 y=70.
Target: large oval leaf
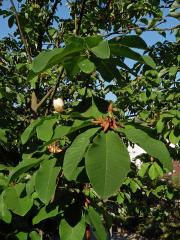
x=45 y=181
x=152 y=146
x=107 y=163
x=75 y=153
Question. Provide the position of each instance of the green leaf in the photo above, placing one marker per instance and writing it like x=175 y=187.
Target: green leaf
x=75 y=153
x=120 y=197
x=92 y=107
x=45 y=181
x=46 y=60
x=22 y=235
x=149 y=61
x=152 y=146
x=160 y=126
x=19 y=205
x=60 y=131
x=45 y=130
x=35 y=236
x=23 y=167
x=68 y=232
x=125 y=52
x=3 y=135
x=155 y=171
x=45 y=213
x=172 y=138
x=86 y=66
x=107 y=163
x=102 y=50
x=144 y=167
x=96 y=222
x=29 y=131
x=5 y=214
x=93 y=41
x=133 y=41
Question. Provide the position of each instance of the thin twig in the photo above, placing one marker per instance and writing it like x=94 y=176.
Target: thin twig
x=45 y=26
x=81 y=16
x=21 y=32
x=144 y=29
x=54 y=91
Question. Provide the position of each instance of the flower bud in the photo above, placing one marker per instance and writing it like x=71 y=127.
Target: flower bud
x=58 y=105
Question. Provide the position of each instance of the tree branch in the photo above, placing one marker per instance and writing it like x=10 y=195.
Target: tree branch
x=45 y=26
x=38 y=105
x=81 y=16
x=143 y=29
x=54 y=91
x=21 y=32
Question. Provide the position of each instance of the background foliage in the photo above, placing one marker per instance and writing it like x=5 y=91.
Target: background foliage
x=68 y=173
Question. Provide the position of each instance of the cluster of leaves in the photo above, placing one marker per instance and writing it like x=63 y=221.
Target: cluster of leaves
x=69 y=174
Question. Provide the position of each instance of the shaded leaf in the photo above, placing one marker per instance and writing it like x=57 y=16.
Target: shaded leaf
x=75 y=153
x=133 y=41
x=96 y=221
x=44 y=213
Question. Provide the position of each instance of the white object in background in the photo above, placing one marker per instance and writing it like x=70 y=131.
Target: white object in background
x=58 y=104
x=134 y=152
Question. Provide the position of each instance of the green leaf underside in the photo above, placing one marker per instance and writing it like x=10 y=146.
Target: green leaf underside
x=86 y=66
x=45 y=130
x=45 y=181
x=75 y=153
x=152 y=146
x=68 y=232
x=102 y=50
x=96 y=221
x=107 y=163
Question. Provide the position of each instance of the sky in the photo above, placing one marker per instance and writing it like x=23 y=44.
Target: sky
x=150 y=37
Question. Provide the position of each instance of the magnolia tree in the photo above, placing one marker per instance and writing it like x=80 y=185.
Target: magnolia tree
x=65 y=170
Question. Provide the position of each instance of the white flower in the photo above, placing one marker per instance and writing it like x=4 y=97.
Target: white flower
x=58 y=104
